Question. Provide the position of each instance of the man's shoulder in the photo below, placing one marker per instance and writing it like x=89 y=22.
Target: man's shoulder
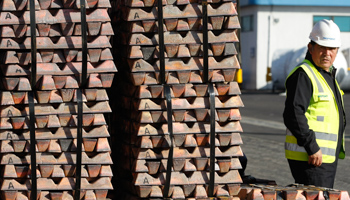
x=298 y=69
x=298 y=73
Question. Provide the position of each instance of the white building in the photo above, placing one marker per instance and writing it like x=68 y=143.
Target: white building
x=273 y=27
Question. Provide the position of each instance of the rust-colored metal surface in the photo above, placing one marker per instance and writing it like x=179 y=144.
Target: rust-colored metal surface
x=183 y=24
x=192 y=37
x=180 y=90
x=150 y=3
x=197 y=177
x=143 y=118
x=188 y=140
x=70 y=68
x=55 y=30
x=45 y=17
x=260 y=191
x=128 y=130
x=57 y=171
x=64 y=158
x=55 y=195
x=192 y=64
x=59 y=67
x=185 y=103
x=19 y=5
x=56 y=146
x=179 y=51
x=53 y=82
x=180 y=152
x=64 y=184
x=61 y=133
x=223 y=165
x=196 y=115
x=56 y=56
x=173 y=11
x=48 y=109
x=52 y=96
x=181 y=77
x=58 y=43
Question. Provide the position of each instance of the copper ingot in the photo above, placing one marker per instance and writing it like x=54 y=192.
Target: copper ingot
x=201 y=163
x=93 y=170
x=19 y=145
x=190 y=141
x=179 y=139
x=17 y=122
x=41 y=120
x=89 y=144
x=69 y=170
x=143 y=191
x=43 y=145
x=153 y=166
x=217 y=22
x=217 y=48
x=9 y=195
x=183 y=52
x=46 y=170
x=178 y=164
x=56 y=195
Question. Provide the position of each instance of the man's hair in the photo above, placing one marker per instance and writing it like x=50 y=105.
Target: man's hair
x=312 y=42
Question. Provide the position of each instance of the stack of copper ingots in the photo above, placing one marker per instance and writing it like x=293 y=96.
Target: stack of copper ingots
x=59 y=65
x=293 y=191
x=179 y=129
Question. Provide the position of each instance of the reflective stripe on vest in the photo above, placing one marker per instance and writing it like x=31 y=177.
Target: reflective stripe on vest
x=319 y=86
x=321 y=136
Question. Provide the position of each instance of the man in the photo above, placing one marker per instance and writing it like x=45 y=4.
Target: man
x=314 y=113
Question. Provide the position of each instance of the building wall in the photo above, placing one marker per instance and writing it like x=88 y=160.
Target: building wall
x=279 y=28
x=249 y=50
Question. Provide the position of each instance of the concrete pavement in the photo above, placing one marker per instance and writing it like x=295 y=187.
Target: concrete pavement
x=263 y=138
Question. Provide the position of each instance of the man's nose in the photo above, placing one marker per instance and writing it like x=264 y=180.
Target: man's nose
x=327 y=51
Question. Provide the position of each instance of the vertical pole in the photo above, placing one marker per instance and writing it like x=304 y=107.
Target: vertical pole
x=205 y=41
x=34 y=186
x=212 y=141
x=171 y=136
x=161 y=42
x=82 y=86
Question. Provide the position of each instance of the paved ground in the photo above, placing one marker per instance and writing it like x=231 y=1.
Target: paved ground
x=263 y=139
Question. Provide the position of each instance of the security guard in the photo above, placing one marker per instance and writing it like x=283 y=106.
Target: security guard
x=314 y=112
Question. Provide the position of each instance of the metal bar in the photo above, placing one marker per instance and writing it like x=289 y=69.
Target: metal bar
x=84 y=44
x=161 y=42
x=83 y=82
x=205 y=41
x=33 y=43
x=79 y=145
x=212 y=140
x=34 y=186
x=171 y=137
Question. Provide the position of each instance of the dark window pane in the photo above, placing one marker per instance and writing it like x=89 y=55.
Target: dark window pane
x=319 y=18
x=247 y=23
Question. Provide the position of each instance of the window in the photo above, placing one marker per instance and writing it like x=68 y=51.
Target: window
x=247 y=23
x=342 y=21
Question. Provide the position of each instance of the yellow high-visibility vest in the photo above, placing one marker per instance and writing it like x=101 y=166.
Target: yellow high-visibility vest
x=323 y=118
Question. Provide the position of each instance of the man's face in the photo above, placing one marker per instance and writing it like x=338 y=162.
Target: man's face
x=323 y=56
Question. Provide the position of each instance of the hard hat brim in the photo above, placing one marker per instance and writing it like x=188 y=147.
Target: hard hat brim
x=328 y=43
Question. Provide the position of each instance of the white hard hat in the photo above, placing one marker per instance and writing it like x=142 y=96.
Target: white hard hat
x=326 y=33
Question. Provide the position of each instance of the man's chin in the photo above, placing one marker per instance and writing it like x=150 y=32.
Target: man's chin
x=325 y=66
